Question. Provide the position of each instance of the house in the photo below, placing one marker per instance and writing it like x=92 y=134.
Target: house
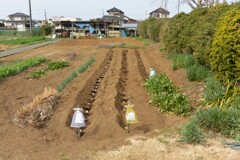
x=159 y=13
x=13 y=20
x=115 y=16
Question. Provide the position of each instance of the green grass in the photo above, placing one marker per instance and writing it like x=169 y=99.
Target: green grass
x=198 y=72
x=15 y=68
x=213 y=90
x=74 y=74
x=166 y=96
x=191 y=134
x=216 y=120
x=146 y=41
x=22 y=41
x=182 y=60
x=195 y=71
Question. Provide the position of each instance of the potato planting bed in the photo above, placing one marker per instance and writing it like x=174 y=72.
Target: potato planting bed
x=103 y=89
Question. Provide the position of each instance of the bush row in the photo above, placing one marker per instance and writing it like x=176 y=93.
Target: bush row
x=212 y=36
x=153 y=28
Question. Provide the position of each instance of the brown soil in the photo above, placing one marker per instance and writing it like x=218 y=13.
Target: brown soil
x=112 y=79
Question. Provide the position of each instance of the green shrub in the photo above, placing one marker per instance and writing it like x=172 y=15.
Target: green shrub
x=153 y=28
x=198 y=72
x=46 y=29
x=166 y=96
x=57 y=65
x=191 y=133
x=224 y=121
x=224 y=58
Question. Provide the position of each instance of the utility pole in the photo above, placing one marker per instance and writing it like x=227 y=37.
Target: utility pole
x=30 y=13
x=45 y=15
x=178 y=6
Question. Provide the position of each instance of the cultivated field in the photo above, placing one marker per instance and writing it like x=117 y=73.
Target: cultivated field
x=118 y=74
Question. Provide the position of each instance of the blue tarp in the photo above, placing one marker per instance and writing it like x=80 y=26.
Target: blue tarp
x=91 y=29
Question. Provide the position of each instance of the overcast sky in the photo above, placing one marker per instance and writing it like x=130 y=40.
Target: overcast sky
x=87 y=9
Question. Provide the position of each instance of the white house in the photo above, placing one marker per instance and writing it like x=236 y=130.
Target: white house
x=13 y=20
x=159 y=13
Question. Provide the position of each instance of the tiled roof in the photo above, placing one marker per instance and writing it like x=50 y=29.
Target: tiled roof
x=114 y=10
x=18 y=14
x=160 y=10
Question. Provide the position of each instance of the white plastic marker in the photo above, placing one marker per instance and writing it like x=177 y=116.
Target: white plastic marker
x=152 y=72
x=131 y=117
x=78 y=119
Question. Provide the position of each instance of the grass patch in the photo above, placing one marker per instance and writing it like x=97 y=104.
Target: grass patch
x=195 y=71
x=213 y=90
x=26 y=40
x=191 y=134
x=182 y=60
x=15 y=68
x=166 y=96
x=198 y=72
x=145 y=41
x=225 y=121
x=74 y=74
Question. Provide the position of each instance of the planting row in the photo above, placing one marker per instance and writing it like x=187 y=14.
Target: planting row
x=87 y=95
x=74 y=74
x=141 y=66
x=15 y=68
x=121 y=98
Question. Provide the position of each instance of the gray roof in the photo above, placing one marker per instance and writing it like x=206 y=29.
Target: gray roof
x=18 y=14
x=160 y=10
x=114 y=10
x=111 y=19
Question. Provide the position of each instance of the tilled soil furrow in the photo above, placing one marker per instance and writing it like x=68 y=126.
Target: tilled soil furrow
x=121 y=98
x=148 y=117
x=141 y=66
x=103 y=119
x=87 y=95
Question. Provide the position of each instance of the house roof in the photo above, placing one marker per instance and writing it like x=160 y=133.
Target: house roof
x=160 y=10
x=111 y=19
x=114 y=10
x=18 y=14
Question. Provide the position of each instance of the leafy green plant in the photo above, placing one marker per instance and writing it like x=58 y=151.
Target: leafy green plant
x=191 y=133
x=12 y=69
x=166 y=96
x=37 y=74
x=57 y=65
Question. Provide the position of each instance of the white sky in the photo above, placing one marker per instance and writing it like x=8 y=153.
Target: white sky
x=87 y=9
